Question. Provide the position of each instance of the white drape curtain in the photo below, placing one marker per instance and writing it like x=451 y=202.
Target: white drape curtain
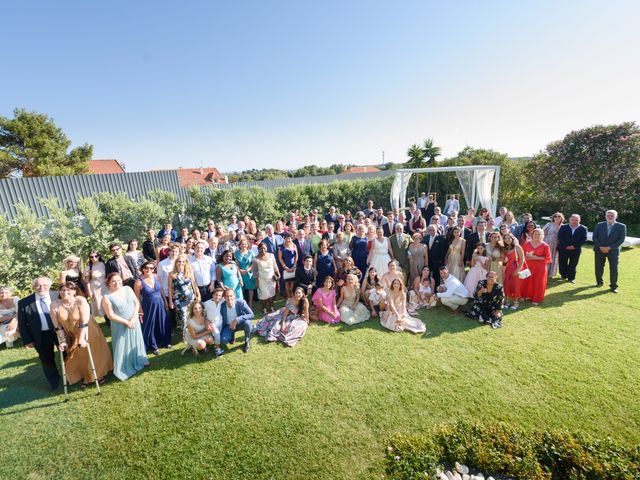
x=399 y=189
x=476 y=187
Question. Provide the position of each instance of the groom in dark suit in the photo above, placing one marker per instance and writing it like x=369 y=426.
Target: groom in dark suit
x=437 y=250
x=608 y=237
x=571 y=236
x=36 y=329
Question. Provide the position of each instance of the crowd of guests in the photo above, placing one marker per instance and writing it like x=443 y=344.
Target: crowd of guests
x=331 y=267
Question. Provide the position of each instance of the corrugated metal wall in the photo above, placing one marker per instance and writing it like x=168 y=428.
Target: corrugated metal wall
x=69 y=188
x=135 y=185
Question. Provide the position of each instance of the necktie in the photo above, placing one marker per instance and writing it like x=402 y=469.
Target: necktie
x=609 y=227
x=45 y=309
x=431 y=238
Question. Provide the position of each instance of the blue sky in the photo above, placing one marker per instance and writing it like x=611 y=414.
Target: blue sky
x=253 y=84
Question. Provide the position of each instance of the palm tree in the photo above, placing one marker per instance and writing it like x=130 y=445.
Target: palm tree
x=431 y=151
x=416 y=160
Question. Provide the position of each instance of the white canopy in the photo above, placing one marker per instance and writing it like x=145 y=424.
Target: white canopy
x=475 y=181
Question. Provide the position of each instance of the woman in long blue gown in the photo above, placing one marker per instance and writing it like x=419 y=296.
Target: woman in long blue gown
x=156 y=329
x=359 y=247
x=122 y=306
x=324 y=263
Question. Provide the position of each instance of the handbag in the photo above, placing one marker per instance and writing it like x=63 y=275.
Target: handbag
x=288 y=275
x=525 y=272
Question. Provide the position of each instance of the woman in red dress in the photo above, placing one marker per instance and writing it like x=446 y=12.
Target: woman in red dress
x=514 y=259
x=538 y=255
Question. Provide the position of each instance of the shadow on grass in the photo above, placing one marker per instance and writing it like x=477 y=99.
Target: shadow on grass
x=27 y=386
x=555 y=299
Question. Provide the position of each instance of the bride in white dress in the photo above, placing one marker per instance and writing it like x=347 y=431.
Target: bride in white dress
x=380 y=254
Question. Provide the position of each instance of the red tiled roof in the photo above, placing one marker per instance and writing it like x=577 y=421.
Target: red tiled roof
x=105 y=166
x=365 y=169
x=199 y=176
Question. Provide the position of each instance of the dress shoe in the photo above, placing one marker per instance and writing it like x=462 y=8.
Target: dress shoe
x=614 y=290
x=572 y=281
x=599 y=284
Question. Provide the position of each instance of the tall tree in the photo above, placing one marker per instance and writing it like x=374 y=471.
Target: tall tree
x=430 y=152
x=32 y=145
x=416 y=156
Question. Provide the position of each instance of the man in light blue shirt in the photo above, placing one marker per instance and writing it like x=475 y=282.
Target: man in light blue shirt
x=236 y=315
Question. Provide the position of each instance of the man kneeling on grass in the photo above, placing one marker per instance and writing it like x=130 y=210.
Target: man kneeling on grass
x=236 y=315
x=451 y=292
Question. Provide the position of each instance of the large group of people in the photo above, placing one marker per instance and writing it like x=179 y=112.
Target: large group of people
x=332 y=268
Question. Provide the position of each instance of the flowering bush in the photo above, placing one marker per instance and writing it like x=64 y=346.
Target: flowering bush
x=590 y=171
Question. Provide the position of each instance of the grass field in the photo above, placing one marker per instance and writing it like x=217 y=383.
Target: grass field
x=325 y=408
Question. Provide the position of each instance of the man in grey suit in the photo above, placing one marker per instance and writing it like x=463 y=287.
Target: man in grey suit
x=608 y=237
x=399 y=246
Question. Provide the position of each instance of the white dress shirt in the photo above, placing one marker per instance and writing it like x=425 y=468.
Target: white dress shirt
x=212 y=312
x=454 y=287
x=165 y=267
x=43 y=309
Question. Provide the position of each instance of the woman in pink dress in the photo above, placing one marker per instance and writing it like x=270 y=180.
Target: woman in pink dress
x=325 y=301
x=551 y=230
x=538 y=255
x=514 y=260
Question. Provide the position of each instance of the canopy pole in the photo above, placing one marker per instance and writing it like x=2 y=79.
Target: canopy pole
x=496 y=185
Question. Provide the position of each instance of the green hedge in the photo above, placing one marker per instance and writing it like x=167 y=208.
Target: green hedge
x=501 y=449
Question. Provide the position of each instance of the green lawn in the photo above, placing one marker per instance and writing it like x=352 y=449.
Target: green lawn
x=325 y=408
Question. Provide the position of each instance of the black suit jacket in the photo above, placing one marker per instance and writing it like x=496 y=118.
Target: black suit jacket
x=389 y=229
x=112 y=266
x=438 y=250
x=575 y=239
x=305 y=279
x=29 y=319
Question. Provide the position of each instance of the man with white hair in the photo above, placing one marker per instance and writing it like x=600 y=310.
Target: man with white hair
x=36 y=328
x=608 y=237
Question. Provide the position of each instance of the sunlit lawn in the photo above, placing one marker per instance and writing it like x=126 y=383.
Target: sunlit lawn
x=325 y=408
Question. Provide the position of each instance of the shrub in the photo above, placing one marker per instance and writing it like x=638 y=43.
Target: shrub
x=507 y=450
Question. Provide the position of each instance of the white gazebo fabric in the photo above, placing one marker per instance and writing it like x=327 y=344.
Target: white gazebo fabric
x=476 y=184
x=476 y=187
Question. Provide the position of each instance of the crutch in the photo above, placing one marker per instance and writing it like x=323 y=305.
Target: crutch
x=64 y=376
x=93 y=368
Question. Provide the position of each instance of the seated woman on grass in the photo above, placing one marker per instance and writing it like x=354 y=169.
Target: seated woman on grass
x=288 y=324
x=197 y=333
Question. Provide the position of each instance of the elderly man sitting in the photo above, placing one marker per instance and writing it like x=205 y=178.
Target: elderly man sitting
x=451 y=292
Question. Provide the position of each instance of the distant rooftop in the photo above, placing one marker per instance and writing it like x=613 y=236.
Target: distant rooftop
x=363 y=169
x=105 y=166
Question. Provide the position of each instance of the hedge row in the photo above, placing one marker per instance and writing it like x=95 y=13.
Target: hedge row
x=502 y=449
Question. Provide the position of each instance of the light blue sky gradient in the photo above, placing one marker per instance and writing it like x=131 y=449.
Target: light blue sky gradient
x=253 y=84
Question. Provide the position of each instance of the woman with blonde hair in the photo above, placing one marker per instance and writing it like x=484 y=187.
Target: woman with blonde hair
x=182 y=290
x=72 y=272
x=197 y=334
x=94 y=276
x=8 y=316
x=551 y=230
x=538 y=255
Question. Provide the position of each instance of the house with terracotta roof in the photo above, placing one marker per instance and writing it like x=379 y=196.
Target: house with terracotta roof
x=188 y=177
x=105 y=166
x=363 y=169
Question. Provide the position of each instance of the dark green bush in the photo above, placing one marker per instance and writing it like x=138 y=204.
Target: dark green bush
x=506 y=450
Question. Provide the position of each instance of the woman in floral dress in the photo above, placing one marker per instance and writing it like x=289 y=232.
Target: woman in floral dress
x=289 y=324
x=182 y=291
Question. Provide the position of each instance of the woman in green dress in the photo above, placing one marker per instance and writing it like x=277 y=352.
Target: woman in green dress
x=122 y=308
x=244 y=258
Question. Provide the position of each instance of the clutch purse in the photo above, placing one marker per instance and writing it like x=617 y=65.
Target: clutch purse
x=525 y=272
